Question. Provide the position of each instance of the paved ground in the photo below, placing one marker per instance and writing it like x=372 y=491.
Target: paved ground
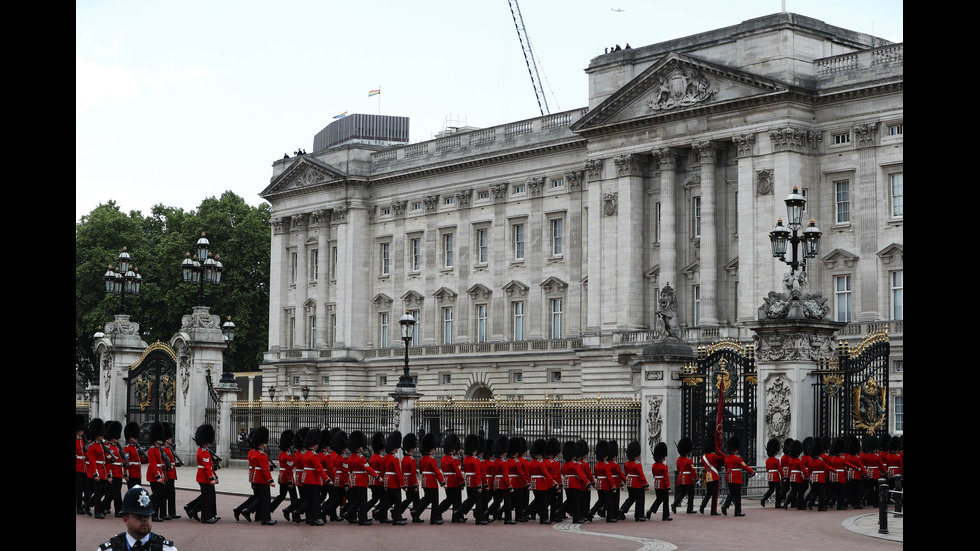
x=761 y=529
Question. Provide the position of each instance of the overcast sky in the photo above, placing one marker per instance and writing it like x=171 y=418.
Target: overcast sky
x=180 y=100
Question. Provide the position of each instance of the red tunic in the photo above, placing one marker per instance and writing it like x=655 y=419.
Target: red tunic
x=539 y=476
x=79 y=454
x=616 y=476
x=661 y=475
x=391 y=469
x=409 y=471
x=452 y=472
x=285 y=467
x=431 y=475
x=712 y=462
x=205 y=467
x=95 y=460
x=797 y=471
x=818 y=470
x=262 y=474
x=155 y=468
x=686 y=475
x=573 y=476
x=734 y=469
x=115 y=465
x=773 y=470
x=133 y=455
x=472 y=471
x=360 y=470
x=500 y=471
x=634 y=475
x=516 y=477
x=172 y=472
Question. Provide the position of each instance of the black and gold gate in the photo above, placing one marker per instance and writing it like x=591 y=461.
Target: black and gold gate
x=728 y=367
x=151 y=393
x=851 y=392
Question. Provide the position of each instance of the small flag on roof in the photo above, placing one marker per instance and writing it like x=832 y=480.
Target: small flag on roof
x=340 y=116
x=374 y=92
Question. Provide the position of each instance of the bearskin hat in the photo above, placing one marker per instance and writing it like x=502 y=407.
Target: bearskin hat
x=787 y=444
x=870 y=443
x=539 y=447
x=338 y=441
x=203 y=435
x=250 y=440
x=312 y=438
x=795 y=449
x=113 y=430
x=96 y=427
x=501 y=445
x=816 y=447
x=659 y=451
x=132 y=430
x=471 y=443
x=450 y=443
x=581 y=448
x=613 y=450
x=393 y=442
x=552 y=447
x=523 y=448
x=157 y=433
x=481 y=445
x=428 y=443
x=285 y=440
x=377 y=442
x=734 y=444
x=838 y=446
x=807 y=445
x=568 y=450
x=168 y=431
x=409 y=443
x=488 y=446
x=772 y=447
x=684 y=446
x=299 y=439
x=709 y=444
x=514 y=446
x=853 y=446
x=601 y=450
x=895 y=444
x=356 y=441
x=79 y=422
x=325 y=439
x=633 y=450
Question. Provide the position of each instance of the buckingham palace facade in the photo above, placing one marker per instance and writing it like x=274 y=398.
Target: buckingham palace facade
x=533 y=254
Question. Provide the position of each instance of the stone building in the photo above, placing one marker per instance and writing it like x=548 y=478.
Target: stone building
x=533 y=253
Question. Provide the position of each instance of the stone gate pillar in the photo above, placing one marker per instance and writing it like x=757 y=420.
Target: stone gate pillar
x=787 y=351
x=200 y=347
x=117 y=347
x=660 y=364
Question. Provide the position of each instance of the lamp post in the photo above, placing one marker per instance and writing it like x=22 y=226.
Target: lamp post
x=228 y=332
x=405 y=382
x=783 y=236
x=272 y=393
x=123 y=279
x=201 y=268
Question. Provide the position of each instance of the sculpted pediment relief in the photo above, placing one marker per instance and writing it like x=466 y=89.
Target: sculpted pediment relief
x=304 y=172
x=675 y=84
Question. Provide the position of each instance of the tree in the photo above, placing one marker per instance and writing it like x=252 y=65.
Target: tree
x=239 y=234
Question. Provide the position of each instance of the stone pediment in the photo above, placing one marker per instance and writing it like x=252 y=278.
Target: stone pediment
x=677 y=83
x=305 y=172
x=839 y=256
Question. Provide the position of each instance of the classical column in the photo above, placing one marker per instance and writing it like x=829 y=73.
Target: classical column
x=279 y=284
x=750 y=292
x=625 y=207
x=300 y=224
x=322 y=220
x=710 y=225
x=866 y=201
x=593 y=175
x=667 y=162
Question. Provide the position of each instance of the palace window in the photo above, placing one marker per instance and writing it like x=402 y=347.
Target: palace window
x=842 y=297
x=481 y=323
x=385 y=258
x=557 y=310
x=842 y=200
x=556 y=236
x=447 y=325
x=518 y=317
x=518 y=241
x=415 y=253
x=696 y=215
x=897 y=291
x=839 y=139
x=417 y=314
x=897 y=194
x=447 y=250
x=314 y=264
x=383 y=320
x=482 y=245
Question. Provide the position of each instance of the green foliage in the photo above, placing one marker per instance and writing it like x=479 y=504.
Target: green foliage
x=239 y=235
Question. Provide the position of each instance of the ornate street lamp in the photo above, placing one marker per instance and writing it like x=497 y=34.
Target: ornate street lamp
x=405 y=382
x=782 y=237
x=306 y=392
x=122 y=280
x=201 y=268
x=228 y=332
x=272 y=393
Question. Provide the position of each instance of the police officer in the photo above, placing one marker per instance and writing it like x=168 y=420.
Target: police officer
x=137 y=510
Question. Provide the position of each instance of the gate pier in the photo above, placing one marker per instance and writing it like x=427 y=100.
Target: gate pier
x=117 y=347
x=787 y=352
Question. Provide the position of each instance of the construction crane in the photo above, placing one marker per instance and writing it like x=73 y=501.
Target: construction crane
x=532 y=66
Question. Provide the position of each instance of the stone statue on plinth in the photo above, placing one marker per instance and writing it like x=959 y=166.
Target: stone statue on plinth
x=796 y=302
